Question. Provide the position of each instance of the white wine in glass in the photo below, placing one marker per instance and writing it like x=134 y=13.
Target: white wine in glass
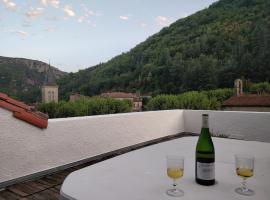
x=175 y=170
x=244 y=165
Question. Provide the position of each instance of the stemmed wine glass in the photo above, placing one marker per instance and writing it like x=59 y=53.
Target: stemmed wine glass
x=175 y=170
x=244 y=168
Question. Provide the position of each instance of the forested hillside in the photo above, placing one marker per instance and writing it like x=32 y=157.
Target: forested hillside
x=206 y=50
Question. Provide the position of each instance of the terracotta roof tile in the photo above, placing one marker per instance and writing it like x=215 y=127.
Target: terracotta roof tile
x=23 y=111
x=118 y=95
x=248 y=100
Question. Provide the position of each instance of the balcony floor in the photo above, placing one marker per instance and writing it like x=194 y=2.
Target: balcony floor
x=47 y=187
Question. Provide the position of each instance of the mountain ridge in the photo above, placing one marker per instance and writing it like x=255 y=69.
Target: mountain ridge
x=40 y=67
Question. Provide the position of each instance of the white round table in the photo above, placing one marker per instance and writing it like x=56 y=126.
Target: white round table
x=141 y=174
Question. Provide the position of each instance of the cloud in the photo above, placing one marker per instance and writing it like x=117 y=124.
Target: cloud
x=88 y=12
x=91 y=13
x=34 y=12
x=19 y=32
x=49 y=29
x=9 y=4
x=87 y=15
x=43 y=2
x=54 y=18
x=84 y=19
x=53 y=3
x=26 y=24
x=124 y=17
x=163 y=21
x=68 y=11
x=81 y=19
x=142 y=24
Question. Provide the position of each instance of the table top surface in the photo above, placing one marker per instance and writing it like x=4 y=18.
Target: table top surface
x=142 y=175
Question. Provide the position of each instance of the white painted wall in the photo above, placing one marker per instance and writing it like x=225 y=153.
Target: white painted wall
x=25 y=149
x=242 y=125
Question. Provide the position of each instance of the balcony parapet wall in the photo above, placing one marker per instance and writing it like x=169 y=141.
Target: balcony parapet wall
x=252 y=126
x=26 y=150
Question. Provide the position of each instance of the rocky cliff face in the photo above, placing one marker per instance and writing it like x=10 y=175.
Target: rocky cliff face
x=22 y=78
x=52 y=72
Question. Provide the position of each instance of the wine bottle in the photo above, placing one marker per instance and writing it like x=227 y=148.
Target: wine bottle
x=205 y=156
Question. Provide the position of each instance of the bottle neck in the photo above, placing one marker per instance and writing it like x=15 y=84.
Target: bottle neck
x=205 y=123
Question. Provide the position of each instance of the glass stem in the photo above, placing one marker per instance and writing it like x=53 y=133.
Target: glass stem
x=174 y=184
x=244 y=185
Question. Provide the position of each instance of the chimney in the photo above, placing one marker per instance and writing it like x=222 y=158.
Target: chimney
x=238 y=84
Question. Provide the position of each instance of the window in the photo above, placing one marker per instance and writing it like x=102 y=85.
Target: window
x=49 y=96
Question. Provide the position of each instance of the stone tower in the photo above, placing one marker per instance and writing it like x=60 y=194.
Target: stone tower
x=238 y=84
x=49 y=93
x=49 y=90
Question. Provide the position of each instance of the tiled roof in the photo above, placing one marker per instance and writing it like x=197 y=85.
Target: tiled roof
x=118 y=95
x=248 y=100
x=23 y=112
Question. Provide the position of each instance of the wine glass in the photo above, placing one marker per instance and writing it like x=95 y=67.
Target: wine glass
x=175 y=170
x=244 y=168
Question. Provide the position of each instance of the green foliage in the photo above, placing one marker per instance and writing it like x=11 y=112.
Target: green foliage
x=260 y=88
x=195 y=100
x=204 y=51
x=85 y=106
x=163 y=102
x=50 y=108
x=220 y=94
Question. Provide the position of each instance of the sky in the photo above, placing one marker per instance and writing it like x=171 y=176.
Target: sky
x=76 y=34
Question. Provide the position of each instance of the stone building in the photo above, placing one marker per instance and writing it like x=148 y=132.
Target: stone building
x=49 y=93
x=238 y=85
x=75 y=97
x=134 y=98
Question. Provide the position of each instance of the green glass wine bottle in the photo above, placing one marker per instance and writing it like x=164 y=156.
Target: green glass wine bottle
x=205 y=156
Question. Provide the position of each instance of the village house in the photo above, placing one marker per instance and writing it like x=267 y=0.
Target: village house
x=246 y=102
x=75 y=97
x=134 y=98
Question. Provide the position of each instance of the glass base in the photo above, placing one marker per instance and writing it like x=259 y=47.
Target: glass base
x=175 y=192
x=246 y=192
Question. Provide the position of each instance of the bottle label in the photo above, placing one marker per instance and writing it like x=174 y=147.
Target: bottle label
x=206 y=171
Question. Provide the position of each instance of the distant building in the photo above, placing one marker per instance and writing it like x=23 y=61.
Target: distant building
x=49 y=90
x=238 y=85
x=256 y=103
x=246 y=102
x=49 y=93
x=134 y=98
x=75 y=97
